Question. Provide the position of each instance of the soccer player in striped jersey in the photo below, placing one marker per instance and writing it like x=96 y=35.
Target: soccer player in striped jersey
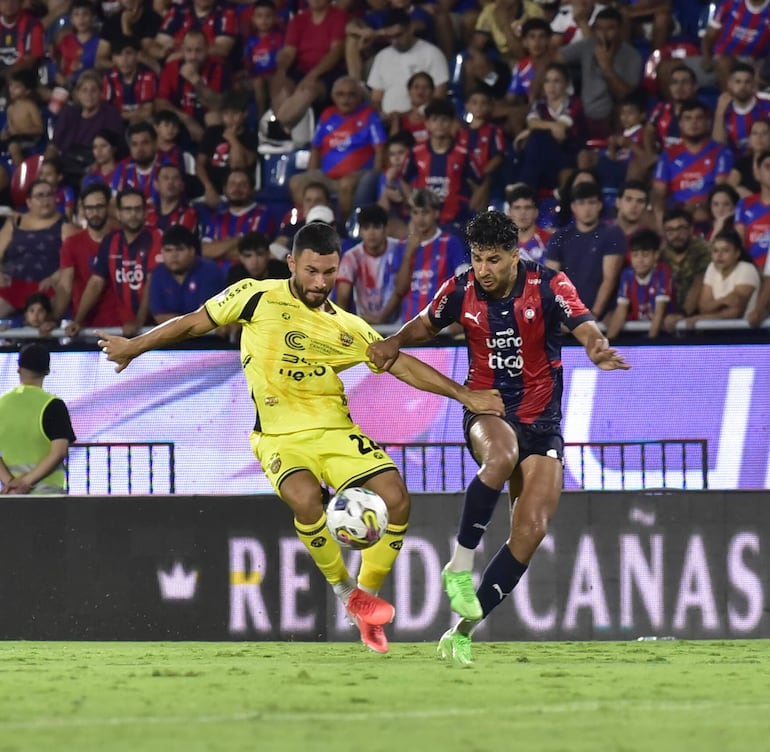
x=294 y=343
x=512 y=312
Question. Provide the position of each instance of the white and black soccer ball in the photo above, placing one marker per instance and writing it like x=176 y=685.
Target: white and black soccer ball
x=357 y=518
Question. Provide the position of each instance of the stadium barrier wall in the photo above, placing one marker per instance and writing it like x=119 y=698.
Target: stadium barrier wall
x=614 y=566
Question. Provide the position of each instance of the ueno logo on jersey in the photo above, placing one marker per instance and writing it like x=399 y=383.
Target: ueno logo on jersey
x=505 y=353
x=134 y=277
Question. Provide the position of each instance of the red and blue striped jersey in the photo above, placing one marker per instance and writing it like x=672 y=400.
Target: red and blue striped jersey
x=232 y=223
x=514 y=343
x=260 y=53
x=433 y=261
x=482 y=145
x=181 y=214
x=744 y=30
x=347 y=142
x=65 y=200
x=534 y=248
x=127 y=266
x=521 y=80
x=666 y=124
x=752 y=219
x=738 y=122
x=76 y=56
x=689 y=176
x=129 y=175
x=176 y=89
x=22 y=39
x=128 y=95
x=642 y=295
x=220 y=21
x=447 y=176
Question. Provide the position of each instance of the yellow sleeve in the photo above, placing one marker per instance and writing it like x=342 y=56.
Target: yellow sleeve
x=363 y=335
x=228 y=306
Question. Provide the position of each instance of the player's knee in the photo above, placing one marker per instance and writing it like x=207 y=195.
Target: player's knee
x=398 y=503
x=532 y=527
x=501 y=463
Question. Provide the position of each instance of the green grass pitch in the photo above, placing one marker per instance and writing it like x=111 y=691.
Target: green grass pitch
x=530 y=697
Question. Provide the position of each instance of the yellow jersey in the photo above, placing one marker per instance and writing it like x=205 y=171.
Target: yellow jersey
x=291 y=354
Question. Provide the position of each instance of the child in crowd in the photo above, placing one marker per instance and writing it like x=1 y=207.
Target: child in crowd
x=106 y=151
x=51 y=172
x=81 y=48
x=261 y=49
x=645 y=288
x=394 y=188
x=485 y=145
x=37 y=310
x=130 y=86
x=626 y=157
x=421 y=89
x=24 y=130
x=523 y=210
x=168 y=128
x=255 y=260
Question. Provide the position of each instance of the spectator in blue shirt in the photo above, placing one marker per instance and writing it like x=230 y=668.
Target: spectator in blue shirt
x=185 y=279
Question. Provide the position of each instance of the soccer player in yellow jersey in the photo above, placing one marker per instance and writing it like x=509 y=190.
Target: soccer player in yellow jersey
x=294 y=342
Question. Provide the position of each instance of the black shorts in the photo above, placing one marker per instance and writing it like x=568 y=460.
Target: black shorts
x=543 y=439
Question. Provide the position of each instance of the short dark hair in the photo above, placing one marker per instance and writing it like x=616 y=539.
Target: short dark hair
x=55 y=162
x=318 y=185
x=741 y=67
x=727 y=189
x=644 y=240
x=167 y=116
x=682 y=67
x=125 y=43
x=585 y=190
x=87 y=4
x=253 y=241
x=519 y=191
x=372 y=215
x=181 y=235
x=440 y=108
x=27 y=77
x=608 y=14
x=405 y=138
x=420 y=74
x=126 y=192
x=112 y=138
x=317 y=236
x=41 y=298
x=536 y=24
x=492 y=229
x=634 y=185
x=396 y=17
x=265 y=4
x=732 y=236
x=693 y=104
x=99 y=188
x=559 y=68
x=677 y=212
x=235 y=100
x=243 y=171
x=143 y=126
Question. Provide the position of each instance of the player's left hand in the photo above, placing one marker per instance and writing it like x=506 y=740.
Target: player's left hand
x=17 y=485
x=484 y=402
x=607 y=358
x=117 y=349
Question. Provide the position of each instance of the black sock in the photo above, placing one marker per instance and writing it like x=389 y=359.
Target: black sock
x=499 y=579
x=478 y=506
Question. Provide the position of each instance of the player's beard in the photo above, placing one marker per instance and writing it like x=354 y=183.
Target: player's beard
x=311 y=298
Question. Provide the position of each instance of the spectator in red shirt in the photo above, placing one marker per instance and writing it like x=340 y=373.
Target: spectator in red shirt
x=21 y=39
x=192 y=86
x=309 y=63
x=77 y=253
x=129 y=85
x=217 y=22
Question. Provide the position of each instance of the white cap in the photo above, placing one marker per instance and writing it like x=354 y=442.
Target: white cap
x=320 y=213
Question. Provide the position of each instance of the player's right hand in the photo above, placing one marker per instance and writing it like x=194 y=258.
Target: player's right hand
x=383 y=353
x=117 y=349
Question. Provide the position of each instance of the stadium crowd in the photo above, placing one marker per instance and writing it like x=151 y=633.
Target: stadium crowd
x=155 y=151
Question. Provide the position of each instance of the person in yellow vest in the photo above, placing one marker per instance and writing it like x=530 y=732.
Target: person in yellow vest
x=35 y=430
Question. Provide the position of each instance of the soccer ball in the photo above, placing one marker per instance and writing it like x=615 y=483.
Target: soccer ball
x=357 y=518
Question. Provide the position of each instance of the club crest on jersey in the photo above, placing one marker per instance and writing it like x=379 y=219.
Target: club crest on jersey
x=271 y=401
x=275 y=464
x=346 y=339
x=529 y=314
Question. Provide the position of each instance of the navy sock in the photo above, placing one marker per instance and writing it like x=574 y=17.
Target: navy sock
x=500 y=577
x=478 y=506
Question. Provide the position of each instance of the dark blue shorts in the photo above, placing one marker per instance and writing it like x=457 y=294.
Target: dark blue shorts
x=543 y=439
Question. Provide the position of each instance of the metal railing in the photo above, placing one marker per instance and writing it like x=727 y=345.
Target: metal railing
x=126 y=468
x=613 y=465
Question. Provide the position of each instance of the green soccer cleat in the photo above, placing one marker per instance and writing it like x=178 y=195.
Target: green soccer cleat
x=462 y=594
x=456 y=647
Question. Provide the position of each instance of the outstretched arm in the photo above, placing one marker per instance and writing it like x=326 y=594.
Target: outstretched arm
x=598 y=348
x=421 y=376
x=122 y=351
x=384 y=352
